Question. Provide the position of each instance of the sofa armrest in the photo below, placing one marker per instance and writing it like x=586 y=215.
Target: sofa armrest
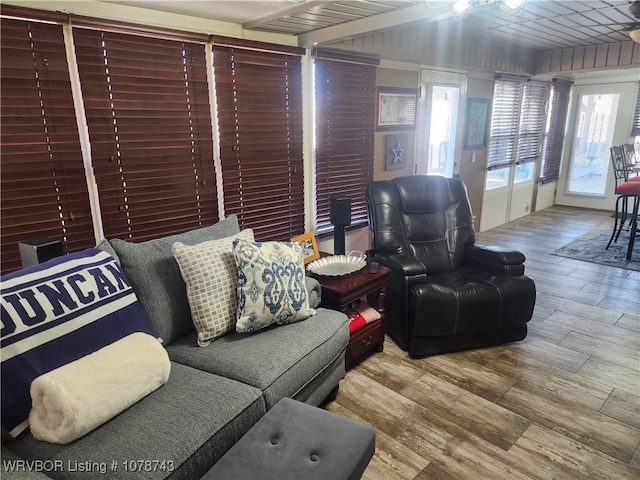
x=402 y=264
x=495 y=259
x=314 y=291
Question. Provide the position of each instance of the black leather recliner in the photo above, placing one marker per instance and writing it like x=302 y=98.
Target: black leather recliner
x=445 y=292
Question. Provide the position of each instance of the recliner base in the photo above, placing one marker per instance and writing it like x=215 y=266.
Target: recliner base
x=425 y=346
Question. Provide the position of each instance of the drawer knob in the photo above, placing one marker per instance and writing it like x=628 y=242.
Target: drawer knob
x=367 y=341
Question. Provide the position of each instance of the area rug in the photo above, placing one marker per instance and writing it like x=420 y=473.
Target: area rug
x=590 y=248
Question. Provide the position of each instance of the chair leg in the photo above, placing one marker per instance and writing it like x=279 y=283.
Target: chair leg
x=634 y=226
x=623 y=217
x=615 y=224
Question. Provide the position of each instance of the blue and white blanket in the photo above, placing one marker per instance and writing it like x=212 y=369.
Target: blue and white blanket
x=55 y=313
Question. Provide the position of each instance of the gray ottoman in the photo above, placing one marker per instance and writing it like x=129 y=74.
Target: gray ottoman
x=297 y=441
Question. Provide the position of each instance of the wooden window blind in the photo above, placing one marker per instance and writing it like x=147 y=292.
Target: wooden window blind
x=147 y=109
x=532 y=122
x=505 y=116
x=635 y=128
x=44 y=190
x=259 y=105
x=558 y=110
x=345 y=120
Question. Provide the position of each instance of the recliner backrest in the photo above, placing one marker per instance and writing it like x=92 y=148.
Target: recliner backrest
x=424 y=216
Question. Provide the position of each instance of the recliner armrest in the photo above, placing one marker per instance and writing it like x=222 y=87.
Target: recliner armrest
x=495 y=254
x=403 y=264
x=495 y=259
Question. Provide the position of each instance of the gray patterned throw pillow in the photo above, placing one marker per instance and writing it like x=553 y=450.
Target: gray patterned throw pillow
x=271 y=286
x=210 y=273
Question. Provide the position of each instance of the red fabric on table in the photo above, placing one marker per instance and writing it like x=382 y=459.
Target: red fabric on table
x=356 y=323
x=369 y=313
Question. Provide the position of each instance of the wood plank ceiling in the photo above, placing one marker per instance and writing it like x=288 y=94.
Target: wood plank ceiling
x=541 y=25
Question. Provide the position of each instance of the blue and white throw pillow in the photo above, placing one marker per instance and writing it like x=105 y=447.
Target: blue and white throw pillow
x=57 y=312
x=271 y=287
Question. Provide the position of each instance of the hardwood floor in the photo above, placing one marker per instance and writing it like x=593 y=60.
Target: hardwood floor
x=562 y=404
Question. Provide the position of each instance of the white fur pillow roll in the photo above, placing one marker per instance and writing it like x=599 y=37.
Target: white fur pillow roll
x=73 y=399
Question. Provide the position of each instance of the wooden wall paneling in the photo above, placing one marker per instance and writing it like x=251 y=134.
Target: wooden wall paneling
x=601 y=56
x=635 y=56
x=590 y=56
x=567 y=59
x=626 y=53
x=556 y=61
x=613 y=55
x=578 y=59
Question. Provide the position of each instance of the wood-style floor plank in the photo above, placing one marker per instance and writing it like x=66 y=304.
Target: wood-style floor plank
x=587 y=426
x=562 y=404
x=617 y=376
x=552 y=381
x=623 y=406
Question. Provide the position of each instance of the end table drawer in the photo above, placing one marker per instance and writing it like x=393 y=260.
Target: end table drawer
x=364 y=340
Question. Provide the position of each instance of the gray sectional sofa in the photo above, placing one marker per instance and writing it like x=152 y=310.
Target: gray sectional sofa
x=214 y=394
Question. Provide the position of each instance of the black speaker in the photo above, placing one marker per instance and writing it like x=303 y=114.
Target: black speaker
x=39 y=249
x=340 y=211
x=340 y=216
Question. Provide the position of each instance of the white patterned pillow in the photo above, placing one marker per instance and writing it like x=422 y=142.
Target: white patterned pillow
x=271 y=287
x=210 y=273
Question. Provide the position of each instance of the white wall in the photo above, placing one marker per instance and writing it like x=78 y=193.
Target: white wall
x=546 y=196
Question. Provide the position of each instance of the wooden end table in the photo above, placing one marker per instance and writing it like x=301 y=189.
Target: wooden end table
x=341 y=293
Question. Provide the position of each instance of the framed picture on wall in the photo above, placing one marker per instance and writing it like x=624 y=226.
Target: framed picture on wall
x=396 y=108
x=476 y=124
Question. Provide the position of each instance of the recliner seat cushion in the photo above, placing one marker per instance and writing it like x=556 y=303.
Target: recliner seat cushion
x=470 y=301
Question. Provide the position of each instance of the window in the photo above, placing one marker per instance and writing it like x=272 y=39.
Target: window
x=517 y=129
x=635 y=128
x=559 y=107
x=147 y=108
x=44 y=190
x=259 y=104
x=531 y=129
x=504 y=127
x=345 y=120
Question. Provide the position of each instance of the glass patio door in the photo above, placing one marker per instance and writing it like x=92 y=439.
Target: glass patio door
x=442 y=129
x=437 y=141
x=592 y=137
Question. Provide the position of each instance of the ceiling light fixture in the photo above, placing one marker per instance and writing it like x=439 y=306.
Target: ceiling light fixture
x=513 y=6
x=635 y=35
x=462 y=8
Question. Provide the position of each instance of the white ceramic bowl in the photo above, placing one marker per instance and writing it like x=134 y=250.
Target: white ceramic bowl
x=337 y=265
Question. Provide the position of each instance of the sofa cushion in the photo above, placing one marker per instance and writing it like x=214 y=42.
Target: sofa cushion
x=156 y=279
x=210 y=273
x=184 y=427
x=56 y=312
x=281 y=361
x=271 y=288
